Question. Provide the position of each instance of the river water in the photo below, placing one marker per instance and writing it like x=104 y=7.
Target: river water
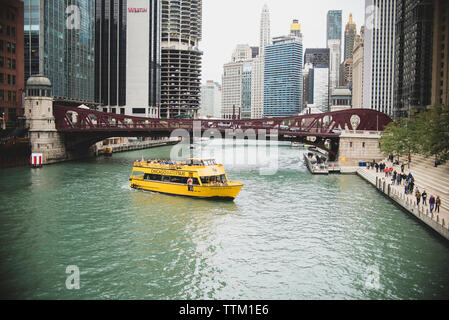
x=290 y=235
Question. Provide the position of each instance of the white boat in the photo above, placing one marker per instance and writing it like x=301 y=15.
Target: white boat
x=297 y=145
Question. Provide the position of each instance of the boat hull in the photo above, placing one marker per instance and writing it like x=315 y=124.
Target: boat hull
x=229 y=192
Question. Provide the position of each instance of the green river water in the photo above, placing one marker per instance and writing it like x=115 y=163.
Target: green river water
x=290 y=235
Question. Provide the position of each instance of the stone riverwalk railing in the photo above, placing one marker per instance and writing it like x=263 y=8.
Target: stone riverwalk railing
x=437 y=221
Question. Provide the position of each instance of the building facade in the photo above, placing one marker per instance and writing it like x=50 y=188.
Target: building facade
x=379 y=55
x=242 y=52
x=210 y=100
x=11 y=62
x=317 y=57
x=283 y=77
x=350 y=33
x=247 y=74
x=413 y=56
x=60 y=44
x=334 y=35
x=231 y=102
x=318 y=93
x=347 y=73
x=181 y=58
x=257 y=87
x=128 y=58
x=258 y=66
x=440 y=54
x=357 y=71
x=265 y=30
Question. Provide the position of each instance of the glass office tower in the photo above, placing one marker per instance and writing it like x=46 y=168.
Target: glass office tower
x=60 y=44
x=283 y=77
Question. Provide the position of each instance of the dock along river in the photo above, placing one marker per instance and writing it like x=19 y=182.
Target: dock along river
x=288 y=235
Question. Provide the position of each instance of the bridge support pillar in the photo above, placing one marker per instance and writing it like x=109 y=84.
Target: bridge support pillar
x=44 y=137
x=360 y=146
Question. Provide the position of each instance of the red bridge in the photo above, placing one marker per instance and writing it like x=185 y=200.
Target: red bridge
x=83 y=127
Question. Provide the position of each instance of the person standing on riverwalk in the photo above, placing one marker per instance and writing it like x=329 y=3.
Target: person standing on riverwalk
x=437 y=204
x=431 y=203
x=406 y=187
x=424 y=198
x=418 y=196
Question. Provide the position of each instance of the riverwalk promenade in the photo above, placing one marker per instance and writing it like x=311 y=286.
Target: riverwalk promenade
x=435 y=181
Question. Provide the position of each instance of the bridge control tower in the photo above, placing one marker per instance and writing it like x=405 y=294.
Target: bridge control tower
x=40 y=121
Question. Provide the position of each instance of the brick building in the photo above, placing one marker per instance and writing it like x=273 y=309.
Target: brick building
x=11 y=60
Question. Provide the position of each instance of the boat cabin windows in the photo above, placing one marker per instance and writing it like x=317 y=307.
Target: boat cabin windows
x=203 y=163
x=210 y=162
x=169 y=179
x=221 y=179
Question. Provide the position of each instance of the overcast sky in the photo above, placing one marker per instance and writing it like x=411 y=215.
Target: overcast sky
x=227 y=23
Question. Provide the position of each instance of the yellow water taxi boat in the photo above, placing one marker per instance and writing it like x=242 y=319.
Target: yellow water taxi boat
x=201 y=178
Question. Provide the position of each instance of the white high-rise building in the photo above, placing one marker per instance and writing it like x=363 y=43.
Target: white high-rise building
x=242 y=52
x=257 y=84
x=257 y=88
x=210 y=105
x=334 y=62
x=318 y=89
x=379 y=52
x=231 y=102
x=265 y=33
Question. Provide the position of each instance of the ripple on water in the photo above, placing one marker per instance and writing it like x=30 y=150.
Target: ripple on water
x=287 y=236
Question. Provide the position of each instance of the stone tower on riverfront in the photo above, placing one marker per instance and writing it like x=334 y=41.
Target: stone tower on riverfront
x=43 y=135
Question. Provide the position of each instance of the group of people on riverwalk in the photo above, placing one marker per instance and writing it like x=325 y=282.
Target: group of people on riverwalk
x=434 y=203
x=408 y=181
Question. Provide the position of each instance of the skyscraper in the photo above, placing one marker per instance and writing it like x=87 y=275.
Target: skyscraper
x=247 y=70
x=357 y=70
x=258 y=66
x=211 y=100
x=318 y=99
x=283 y=77
x=334 y=25
x=350 y=33
x=231 y=101
x=379 y=55
x=181 y=57
x=127 y=68
x=60 y=44
x=318 y=81
x=265 y=31
x=440 y=59
x=317 y=57
x=413 y=65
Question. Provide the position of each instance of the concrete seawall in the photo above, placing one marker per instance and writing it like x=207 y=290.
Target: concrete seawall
x=436 y=221
x=140 y=146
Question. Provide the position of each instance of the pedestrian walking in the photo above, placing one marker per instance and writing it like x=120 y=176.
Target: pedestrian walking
x=377 y=167
x=402 y=168
x=406 y=187
x=418 y=196
x=424 y=198
x=437 y=204
x=431 y=203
